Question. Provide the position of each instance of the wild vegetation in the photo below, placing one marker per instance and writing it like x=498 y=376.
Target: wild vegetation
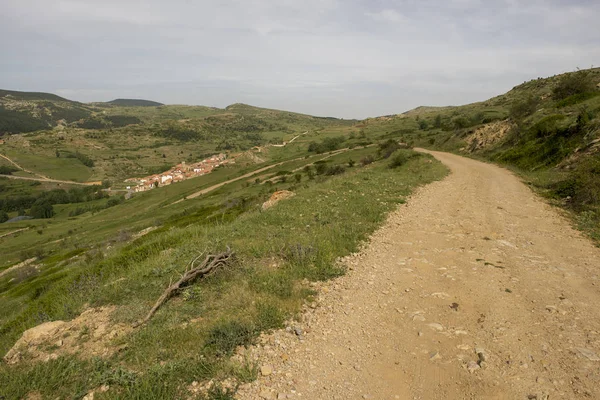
x=278 y=252
x=100 y=245
x=546 y=130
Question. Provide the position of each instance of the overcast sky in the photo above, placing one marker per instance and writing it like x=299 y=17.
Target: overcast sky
x=353 y=58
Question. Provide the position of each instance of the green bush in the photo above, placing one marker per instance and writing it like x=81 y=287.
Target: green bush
x=42 y=208
x=6 y=170
x=367 y=160
x=387 y=148
x=401 y=157
x=327 y=144
x=335 y=170
x=523 y=108
x=572 y=84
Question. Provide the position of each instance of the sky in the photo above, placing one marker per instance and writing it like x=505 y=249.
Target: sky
x=349 y=59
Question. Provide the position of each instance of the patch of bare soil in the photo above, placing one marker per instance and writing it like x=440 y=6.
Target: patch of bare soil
x=474 y=289
x=20 y=265
x=90 y=334
x=276 y=198
x=487 y=135
x=144 y=232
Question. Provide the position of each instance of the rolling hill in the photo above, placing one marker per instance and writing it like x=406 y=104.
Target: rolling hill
x=100 y=258
x=32 y=111
x=546 y=129
x=134 y=103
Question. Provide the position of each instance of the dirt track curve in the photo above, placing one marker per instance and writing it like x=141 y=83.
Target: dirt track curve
x=475 y=289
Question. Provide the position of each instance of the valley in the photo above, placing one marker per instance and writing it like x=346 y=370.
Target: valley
x=345 y=283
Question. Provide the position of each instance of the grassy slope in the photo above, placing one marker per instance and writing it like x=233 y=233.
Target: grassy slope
x=276 y=250
x=548 y=143
x=162 y=136
x=134 y=103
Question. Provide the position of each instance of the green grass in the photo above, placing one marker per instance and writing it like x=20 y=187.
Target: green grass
x=69 y=169
x=548 y=144
x=276 y=250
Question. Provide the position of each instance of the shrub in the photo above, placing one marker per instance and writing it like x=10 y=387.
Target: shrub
x=92 y=123
x=3 y=216
x=328 y=144
x=309 y=172
x=320 y=168
x=367 y=160
x=6 y=170
x=42 y=208
x=460 y=122
x=524 y=107
x=387 y=148
x=335 y=170
x=85 y=160
x=401 y=157
x=114 y=201
x=573 y=84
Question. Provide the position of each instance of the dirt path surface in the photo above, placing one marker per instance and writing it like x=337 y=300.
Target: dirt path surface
x=475 y=289
x=49 y=180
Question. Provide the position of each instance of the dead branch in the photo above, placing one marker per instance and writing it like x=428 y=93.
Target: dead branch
x=210 y=263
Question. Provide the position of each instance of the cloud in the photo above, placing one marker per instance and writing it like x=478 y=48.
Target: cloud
x=387 y=15
x=354 y=58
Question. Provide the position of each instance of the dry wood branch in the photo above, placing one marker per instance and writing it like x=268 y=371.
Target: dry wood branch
x=210 y=263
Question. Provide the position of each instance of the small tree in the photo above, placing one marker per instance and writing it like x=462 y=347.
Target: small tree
x=3 y=216
x=41 y=209
x=321 y=168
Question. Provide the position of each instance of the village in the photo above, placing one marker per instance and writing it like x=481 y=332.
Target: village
x=178 y=173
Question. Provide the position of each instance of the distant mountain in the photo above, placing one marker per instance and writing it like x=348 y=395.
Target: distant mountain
x=24 y=96
x=134 y=103
x=32 y=111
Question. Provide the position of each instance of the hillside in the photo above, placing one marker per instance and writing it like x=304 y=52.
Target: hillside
x=547 y=130
x=91 y=251
x=100 y=259
x=15 y=95
x=134 y=103
x=31 y=111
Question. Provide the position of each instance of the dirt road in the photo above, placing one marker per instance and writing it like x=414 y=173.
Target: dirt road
x=475 y=289
x=49 y=180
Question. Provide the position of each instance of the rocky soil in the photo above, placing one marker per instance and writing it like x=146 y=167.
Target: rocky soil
x=475 y=289
x=91 y=334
